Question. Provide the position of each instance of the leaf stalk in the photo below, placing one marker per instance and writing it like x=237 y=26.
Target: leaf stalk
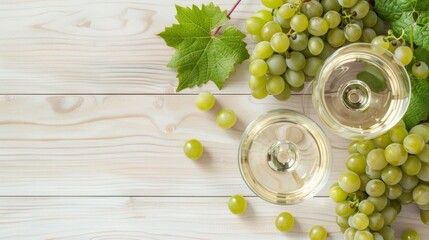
x=228 y=16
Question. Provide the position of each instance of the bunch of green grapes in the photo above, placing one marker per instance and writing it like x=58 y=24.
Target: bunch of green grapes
x=294 y=38
x=383 y=174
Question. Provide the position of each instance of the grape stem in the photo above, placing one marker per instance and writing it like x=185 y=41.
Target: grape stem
x=228 y=16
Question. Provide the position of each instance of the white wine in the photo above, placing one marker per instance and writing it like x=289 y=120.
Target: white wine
x=361 y=91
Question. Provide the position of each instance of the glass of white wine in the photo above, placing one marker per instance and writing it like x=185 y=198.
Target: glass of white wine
x=361 y=91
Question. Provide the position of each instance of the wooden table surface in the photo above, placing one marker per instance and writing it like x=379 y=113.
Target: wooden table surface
x=91 y=132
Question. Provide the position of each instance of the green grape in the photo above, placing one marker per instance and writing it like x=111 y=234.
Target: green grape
x=424 y=172
x=393 y=191
x=298 y=41
x=275 y=85
x=349 y=233
x=395 y=154
x=315 y=45
x=391 y=175
x=254 y=25
x=410 y=235
x=370 y=19
x=364 y=179
x=257 y=82
x=420 y=70
x=193 y=149
x=377 y=236
x=260 y=93
x=371 y=173
x=421 y=194
x=318 y=26
x=349 y=181
x=381 y=42
x=345 y=209
x=294 y=78
x=421 y=130
x=272 y=3
x=414 y=144
x=284 y=221
x=226 y=118
x=379 y=202
x=264 y=15
x=318 y=232
x=367 y=35
x=342 y=222
x=347 y=3
x=404 y=54
x=363 y=235
x=283 y=96
x=312 y=65
x=376 y=221
x=299 y=22
x=360 y=9
x=396 y=205
x=258 y=68
x=389 y=215
x=237 y=204
x=376 y=159
x=366 y=207
x=205 y=101
x=276 y=64
x=424 y=155
x=280 y=42
x=333 y=18
x=398 y=134
x=356 y=163
x=379 y=27
x=352 y=32
x=286 y=11
x=295 y=61
x=406 y=198
x=336 y=37
x=312 y=9
x=337 y=194
x=352 y=148
x=424 y=216
x=364 y=147
x=387 y=232
x=360 y=221
x=375 y=188
x=382 y=141
x=263 y=50
x=269 y=29
x=330 y=5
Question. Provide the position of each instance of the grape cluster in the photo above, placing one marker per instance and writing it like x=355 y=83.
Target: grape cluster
x=383 y=174
x=296 y=36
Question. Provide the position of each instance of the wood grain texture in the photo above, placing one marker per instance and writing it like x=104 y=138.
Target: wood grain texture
x=91 y=46
x=168 y=218
x=126 y=145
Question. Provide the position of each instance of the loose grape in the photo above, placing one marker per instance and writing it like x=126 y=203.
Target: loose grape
x=269 y=29
x=237 y=204
x=410 y=235
x=395 y=154
x=279 y=42
x=315 y=45
x=258 y=68
x=193 y=149
x=254 y=25
x=284 y=221
x=286 y=11
x=318 y=233
x=256 y=83
x=226 y=118
x=414 y=144
x=420 y=70
x=349 y=181
x=295 y=61
x=276 y=64
x=275 y=85
x=205 y=101
x=299 y=22
x=263 y=50
x=404 y=54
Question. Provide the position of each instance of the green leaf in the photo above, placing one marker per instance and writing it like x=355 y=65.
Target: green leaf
x=422 y=55
x=419 y=109
x=405 y=15
x=200 y=56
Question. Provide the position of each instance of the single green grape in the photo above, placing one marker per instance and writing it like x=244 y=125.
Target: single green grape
x=379 y=202
x=193 y=149
x=318 y=232
x=226 y=118
x=420 y=70
x=421 y=130
x=256 y=83
x=360 y=221
x=279 y=42
x=382 y=141
x=377 y=236
x=264 y=15
x=370 y=19
x=352 y=32
x=376 y=159
x=263 y=50
x=360 y=9
x=414 y=144
x=254 y=25
x=283 y=96
x=356 y=163
x=260 y=93
x=367 y=35
x=381 y=41
x=379 y=27
x=349 y=181
x=366 y=207
x=276 y=85
x=424 y=155
x=205 y=101
x=269 y=29
x=286 y=11
x=421 y=194
x=375 y=188
x=315 y=45
x=396 y=154
x=294 y=78
x=312 y=9
x=336 y=37
x=393 y=191
x=408 y=182
x=363 y=235
x=284 y=222
x=237 y=204
x=410 y=234
x=337 y=194
x=352 y=148
x=295 y=60
x=404 y=54
x=299 y=22
x=371 y=173
x=391 y=175
x=276 y=64
x=345 y=209
x=285 y=23
x=364 y=179
x=376 y=221
x=298 y=41
x=364 y=147
x=318 y=26
x=258 y=68
x=333 y=18
x=342 y=222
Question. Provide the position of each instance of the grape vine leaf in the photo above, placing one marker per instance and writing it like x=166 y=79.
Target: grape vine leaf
x=200 y=56
x=419 y=109
x=410 y=16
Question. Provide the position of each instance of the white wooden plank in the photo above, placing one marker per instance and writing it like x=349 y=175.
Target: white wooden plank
x=91 y=46
x=126 y=145
x=169 y=218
